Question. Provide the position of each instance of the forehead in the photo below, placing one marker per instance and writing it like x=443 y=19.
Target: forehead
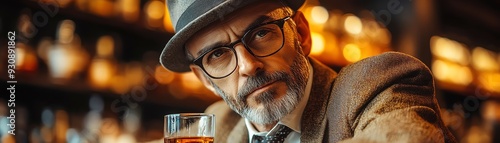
x=222 y=31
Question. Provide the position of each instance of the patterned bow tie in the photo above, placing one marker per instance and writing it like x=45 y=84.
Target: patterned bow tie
x=273 y=137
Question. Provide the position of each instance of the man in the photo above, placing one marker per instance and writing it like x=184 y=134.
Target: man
x=254 y=54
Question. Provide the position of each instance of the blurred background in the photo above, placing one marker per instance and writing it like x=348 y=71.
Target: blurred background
x=88 y=71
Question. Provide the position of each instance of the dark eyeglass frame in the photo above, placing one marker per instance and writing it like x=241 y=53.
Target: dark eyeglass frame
x=280 y=22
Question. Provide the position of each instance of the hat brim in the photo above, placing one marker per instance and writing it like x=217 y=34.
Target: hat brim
x=173 y=56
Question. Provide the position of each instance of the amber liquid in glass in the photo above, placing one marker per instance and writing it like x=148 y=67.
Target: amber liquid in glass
x=189 y=140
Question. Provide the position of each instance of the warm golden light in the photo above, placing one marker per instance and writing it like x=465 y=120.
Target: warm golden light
x=101 y=71
x=490 y=110
x=8 y=138
x=190 y=81
x=319 y=14
x=440 y=70
x=490 y=81
x=126 y=138
x=484 y=60
x=61 y=62
x=352 y=24
x=450 y=50
x=65 y=58
x=187 y=85
x=134 y=73
x=155 y=9
x=376 y=33
x=452 y=72
x=127 y=77
x=47 y=134
x=351 y=52
x=105 y=46
x=20 y=54
x=109 y=130
x=65 y=32
x=43 y=48
x=102 y=7
x=130 y=9
x=119 y=84
x=61 y=125
x=498 y=59
x=167 y=23
x=163 y=76
x=318 y=43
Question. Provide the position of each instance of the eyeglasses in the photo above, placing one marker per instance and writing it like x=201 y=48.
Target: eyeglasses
x=262 y=40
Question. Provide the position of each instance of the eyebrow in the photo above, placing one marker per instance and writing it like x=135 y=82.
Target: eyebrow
x=210 y=47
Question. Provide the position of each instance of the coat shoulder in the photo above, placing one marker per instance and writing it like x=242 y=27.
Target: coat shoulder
x=391 y=93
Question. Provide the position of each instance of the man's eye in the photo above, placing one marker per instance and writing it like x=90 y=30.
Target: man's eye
x=219 y=54
x=261 y=34
x=216 y=54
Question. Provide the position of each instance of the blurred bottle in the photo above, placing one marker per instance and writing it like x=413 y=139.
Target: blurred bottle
x=491 y=119
x=46 y=130
x=132 y=121
x=25 y=55
x=26 y=58
x=103 y=65
x=93 y=121
x=109 y=131
x=66 y=58
x=61 y=126
x=128 y=9
x=72 y=136
x=154 y=11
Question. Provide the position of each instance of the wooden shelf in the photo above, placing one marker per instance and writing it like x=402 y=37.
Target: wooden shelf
x=158 y=96
x=138 y=28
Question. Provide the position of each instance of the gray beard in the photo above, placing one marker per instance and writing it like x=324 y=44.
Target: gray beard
x=272 y=111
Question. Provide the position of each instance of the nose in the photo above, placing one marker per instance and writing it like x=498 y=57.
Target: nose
x=248 y=64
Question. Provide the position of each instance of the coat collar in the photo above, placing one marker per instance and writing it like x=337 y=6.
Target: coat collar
x=314 y=115
x=239 y=134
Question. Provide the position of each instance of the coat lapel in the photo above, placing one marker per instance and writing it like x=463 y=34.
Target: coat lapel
x=313 y=121
x=239 y=134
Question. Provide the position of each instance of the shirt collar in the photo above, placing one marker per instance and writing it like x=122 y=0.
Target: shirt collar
x=293 y=119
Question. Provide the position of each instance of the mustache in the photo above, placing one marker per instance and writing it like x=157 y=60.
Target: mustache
x=260 y=79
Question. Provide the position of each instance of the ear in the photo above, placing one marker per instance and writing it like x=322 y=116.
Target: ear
x=304 y=33
x=199 y=73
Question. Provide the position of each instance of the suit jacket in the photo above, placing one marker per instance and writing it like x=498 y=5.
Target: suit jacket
x=385 y=98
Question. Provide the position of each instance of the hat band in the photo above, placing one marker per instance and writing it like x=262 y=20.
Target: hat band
x=195 y=10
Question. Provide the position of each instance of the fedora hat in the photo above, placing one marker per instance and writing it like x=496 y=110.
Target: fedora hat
x=190 y=16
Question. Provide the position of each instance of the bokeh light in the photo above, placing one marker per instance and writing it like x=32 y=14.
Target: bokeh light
x=318 y=43
x=319 y=14
x=352 y=24
x=351 y=52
